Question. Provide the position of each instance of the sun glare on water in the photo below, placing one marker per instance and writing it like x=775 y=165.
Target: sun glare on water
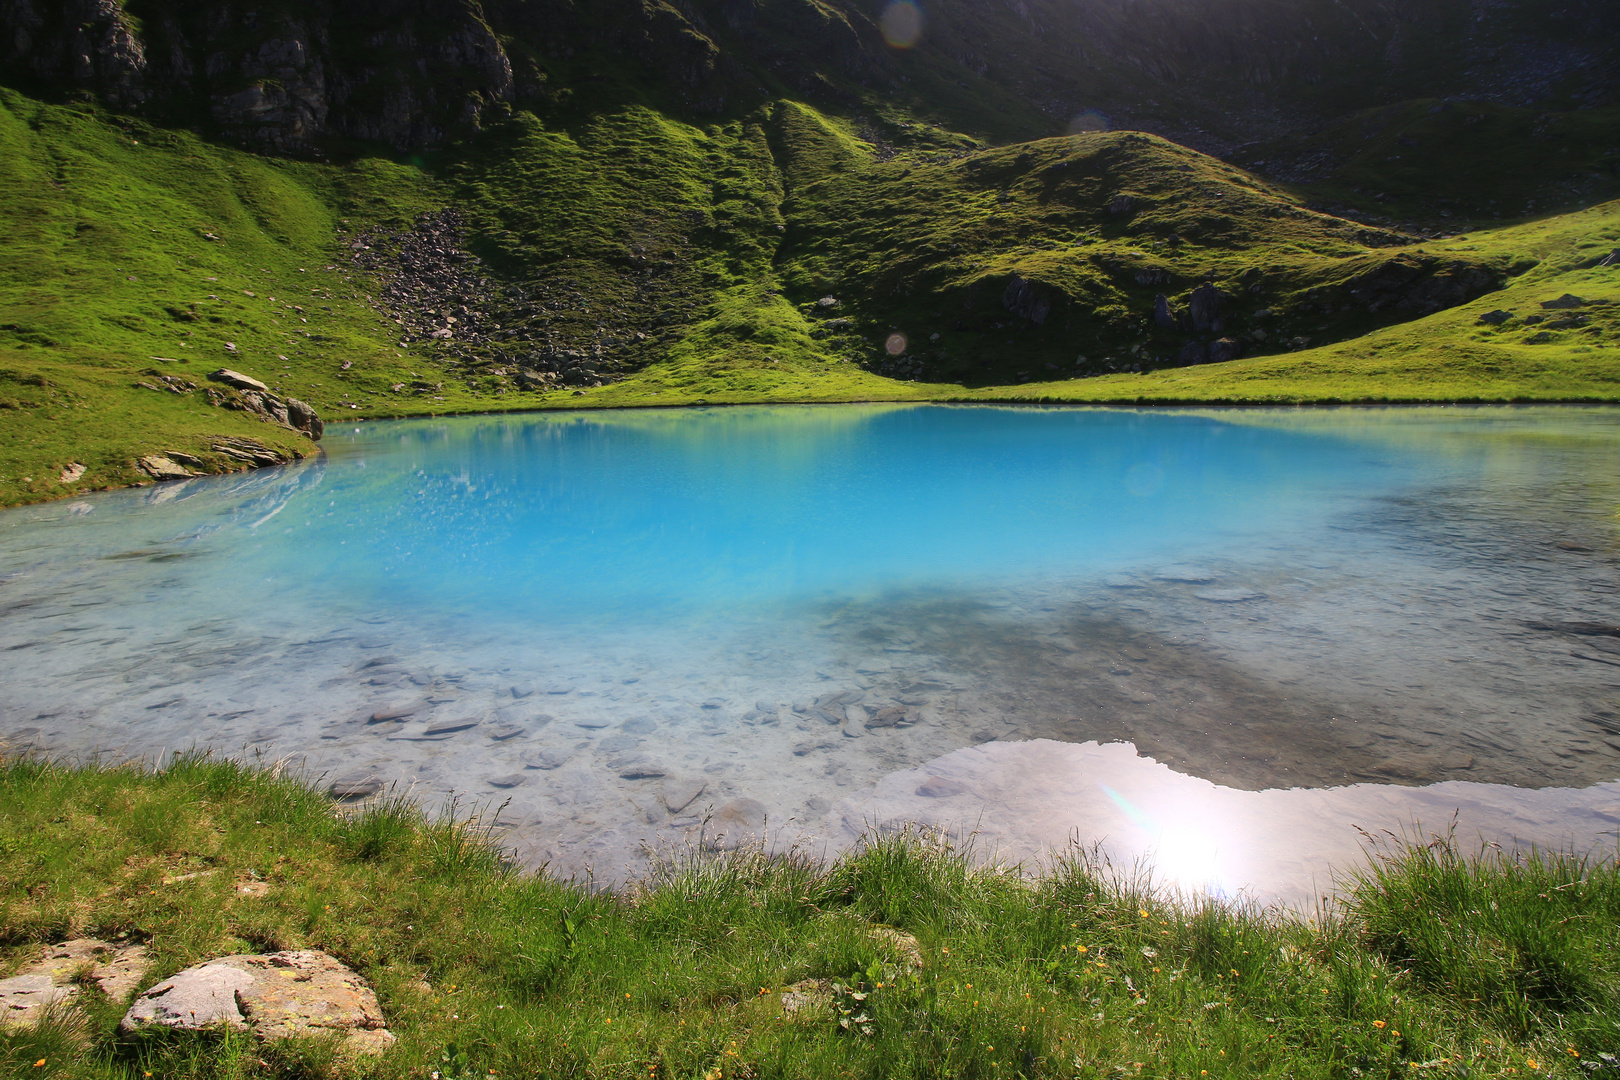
x=1183 y=850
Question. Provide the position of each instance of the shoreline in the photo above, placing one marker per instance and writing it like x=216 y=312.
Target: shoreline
x=900 y=956
x=1018 y=402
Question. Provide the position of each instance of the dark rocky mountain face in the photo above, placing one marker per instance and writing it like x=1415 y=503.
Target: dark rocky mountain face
x=288 y=77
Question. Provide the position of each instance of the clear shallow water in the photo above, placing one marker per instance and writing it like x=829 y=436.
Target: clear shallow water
x=619 y=624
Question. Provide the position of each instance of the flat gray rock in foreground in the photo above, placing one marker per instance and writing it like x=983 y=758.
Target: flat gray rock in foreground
x=276 y=996
x=23 y=999
x=115 y=969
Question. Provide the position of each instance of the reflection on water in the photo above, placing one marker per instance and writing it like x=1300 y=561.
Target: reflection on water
x=615 y=625
x=1028 y=800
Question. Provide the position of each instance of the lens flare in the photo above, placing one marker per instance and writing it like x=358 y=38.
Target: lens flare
x=1185 y=853
x=1088 y=121
x=902 y=24
x=895 y=345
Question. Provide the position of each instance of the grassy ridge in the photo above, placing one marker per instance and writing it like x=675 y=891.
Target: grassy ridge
x=1493 y=967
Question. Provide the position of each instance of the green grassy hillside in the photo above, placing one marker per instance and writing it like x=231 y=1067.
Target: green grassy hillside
x=604 y=256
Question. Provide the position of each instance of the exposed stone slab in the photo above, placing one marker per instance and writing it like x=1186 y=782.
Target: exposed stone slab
x=24 y=999
x=276 y=996
x=159 y=467
x=238 y=380
x=197 y=998
x=116 y=969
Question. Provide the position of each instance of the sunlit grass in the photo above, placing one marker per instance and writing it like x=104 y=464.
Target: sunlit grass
x=1463 y=966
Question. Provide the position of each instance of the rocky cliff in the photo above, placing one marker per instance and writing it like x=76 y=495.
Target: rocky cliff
x=290 y=78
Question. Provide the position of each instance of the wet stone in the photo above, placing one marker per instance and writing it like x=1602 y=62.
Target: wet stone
x=507 y=780
x=938 y=787
x=356 y=786
x=397 y=712
x=1229 y=596
x=546 y=759
x=736 y=823
x=888 y=717
x=451 y=727
x=679 y=794
x=1186 y=574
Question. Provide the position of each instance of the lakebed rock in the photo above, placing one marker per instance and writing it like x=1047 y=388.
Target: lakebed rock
x=737 y=823
x=275 y=996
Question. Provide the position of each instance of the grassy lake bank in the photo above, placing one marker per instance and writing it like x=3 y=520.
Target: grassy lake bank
x=909 y=957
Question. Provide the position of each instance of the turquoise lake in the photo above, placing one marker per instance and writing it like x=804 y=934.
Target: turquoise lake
x=633 y=629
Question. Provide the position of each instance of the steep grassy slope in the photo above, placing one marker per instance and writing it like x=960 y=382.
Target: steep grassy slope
x=1557 y=353
x=134 y=254
x=139 y=259
x=620 y=255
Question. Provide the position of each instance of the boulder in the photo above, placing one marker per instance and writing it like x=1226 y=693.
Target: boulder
x=237 y=380
x=1194 y=352
x=1225 y=349
x=275 y=996
x=1162 y=315
x=301 y=417
x=1495 y=318
x=1204 y=307
x=159 y=467
x=1564 y=303
x=1026 y=300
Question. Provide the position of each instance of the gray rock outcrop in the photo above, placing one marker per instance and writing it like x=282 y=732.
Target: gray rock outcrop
x=275 y=996
x=27 y=997
x=255 y=397
x=1162 y=315
x=159 y=467
x=1027 y=300
x=1204 y=307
